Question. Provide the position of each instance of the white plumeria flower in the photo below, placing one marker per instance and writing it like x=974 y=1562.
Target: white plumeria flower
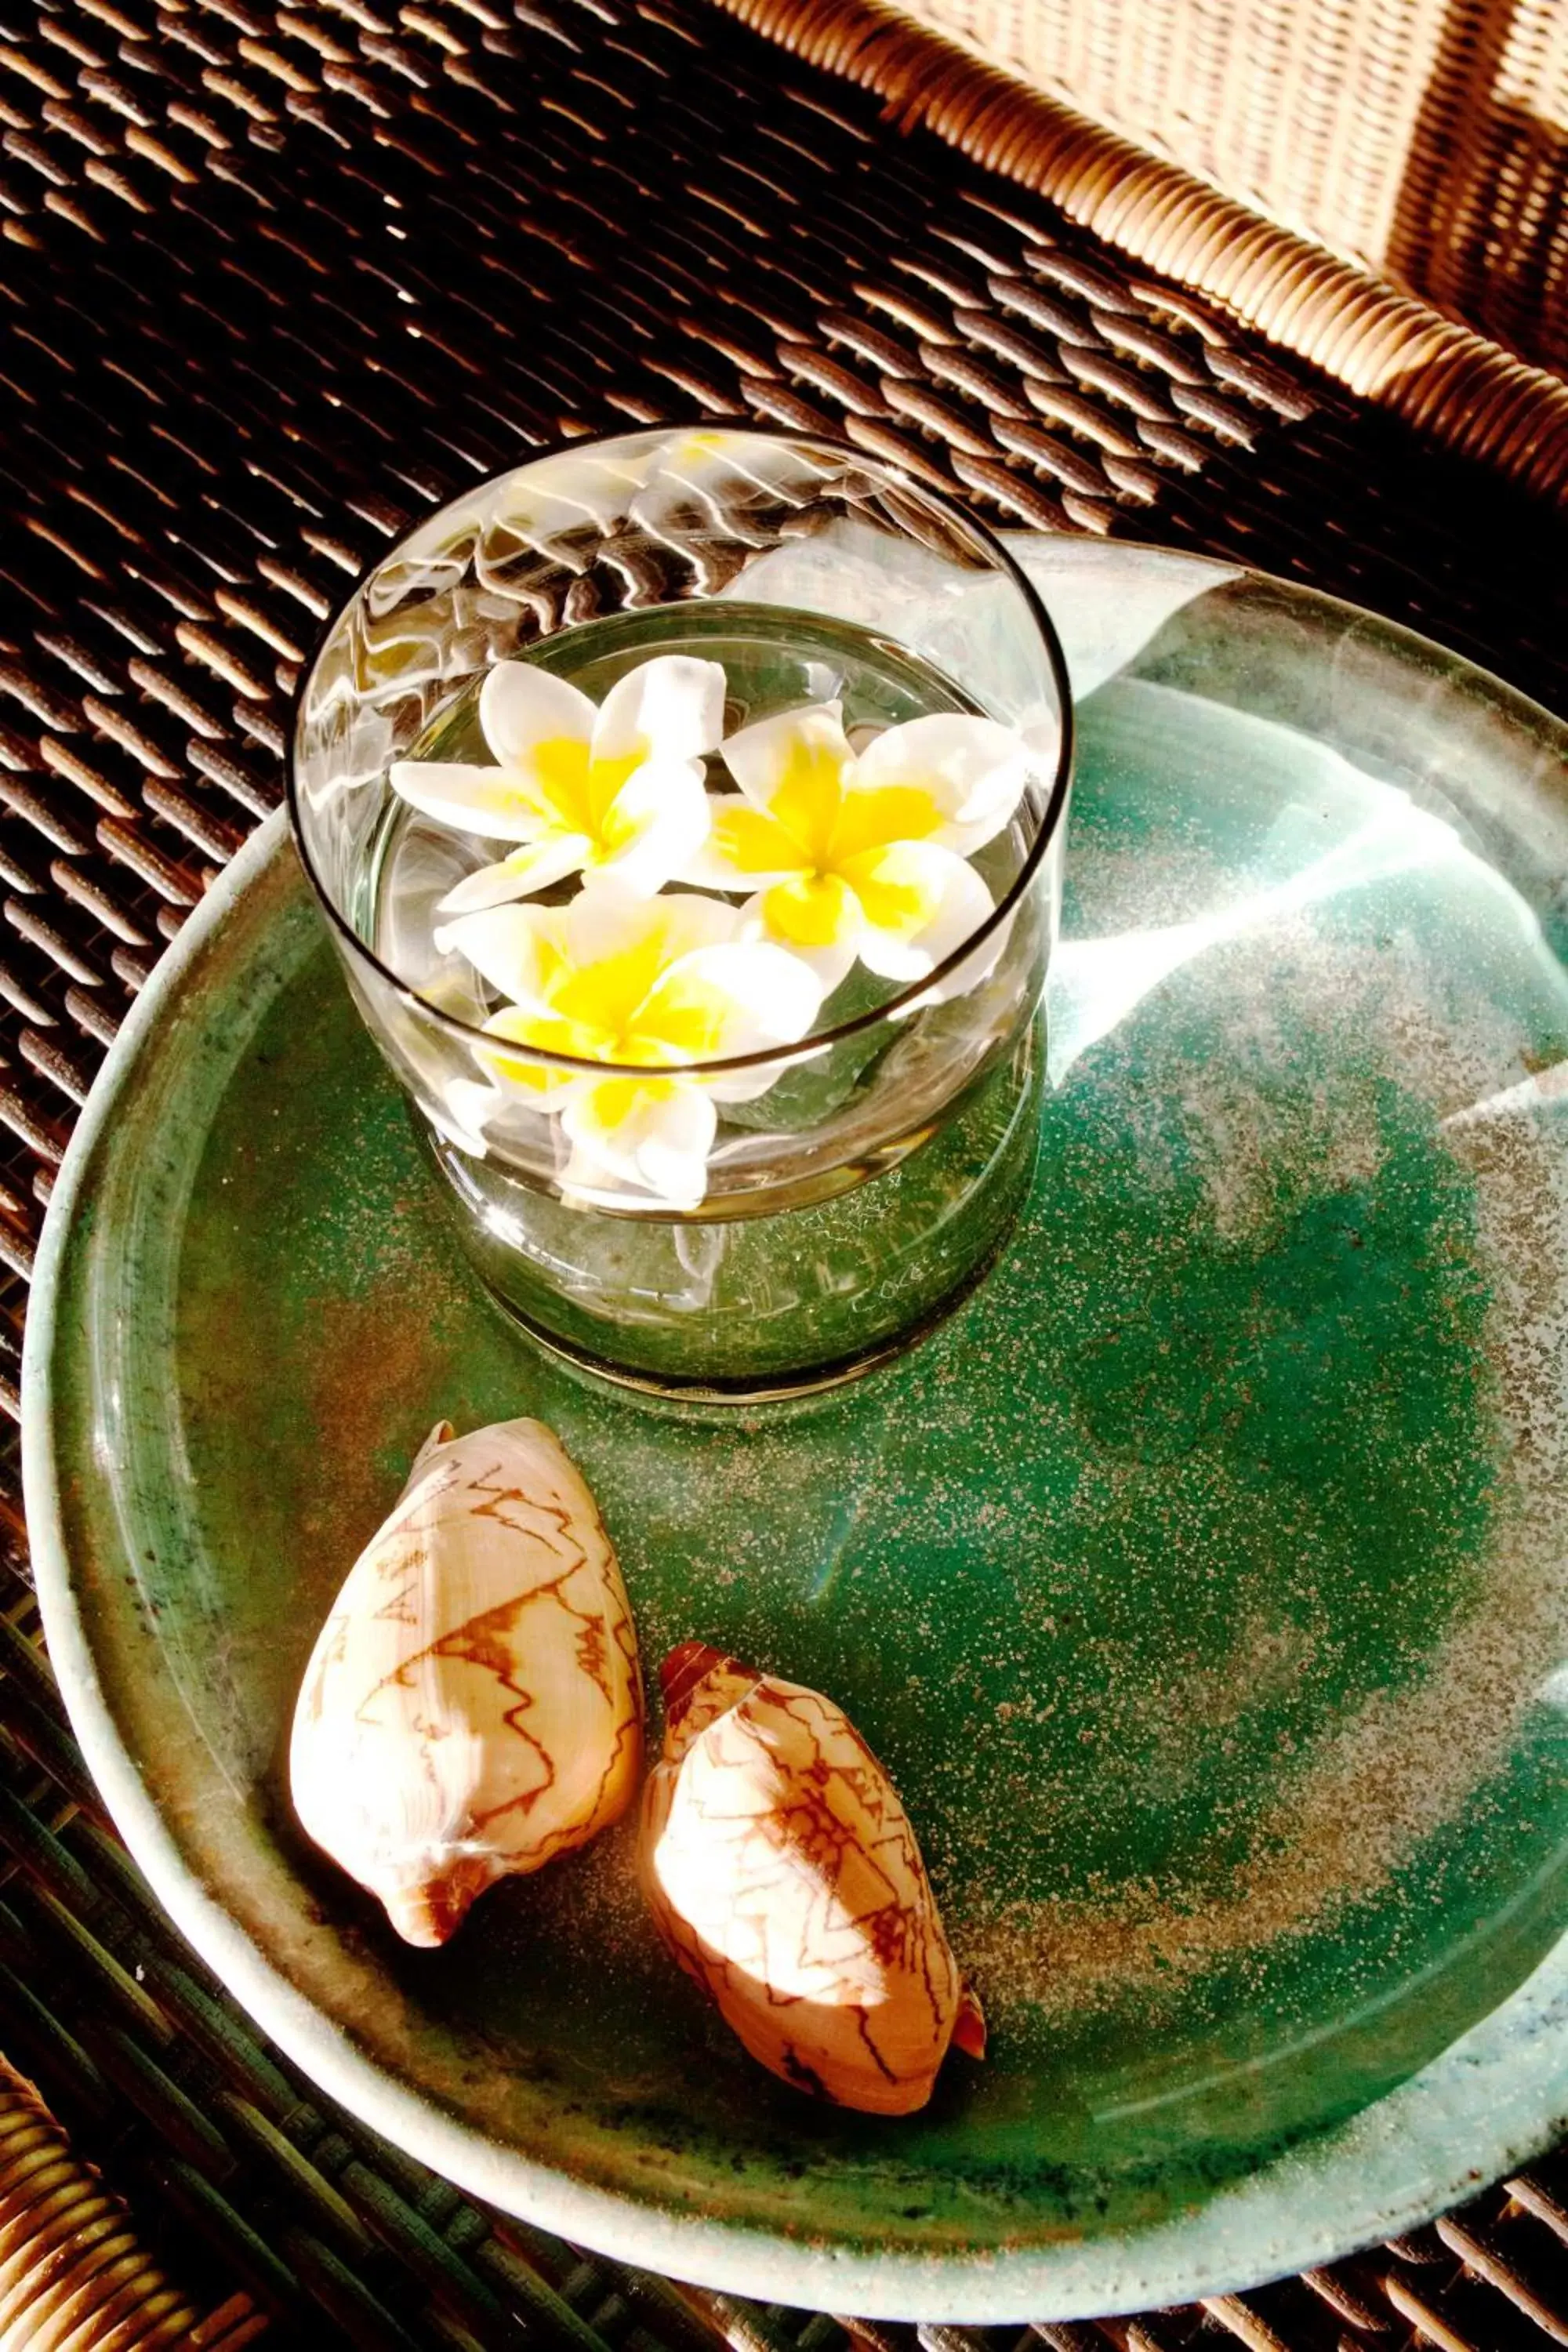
x=646 y=985
x=863 y=856
x=617 y=789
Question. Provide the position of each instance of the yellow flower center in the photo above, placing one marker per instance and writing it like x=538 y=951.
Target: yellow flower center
x=876 y=820
x=808 y=796
x=811 y=911
x=581 y=791
x=895 y=890
x=635 y=1007
x=845 y=844
x=816 y=825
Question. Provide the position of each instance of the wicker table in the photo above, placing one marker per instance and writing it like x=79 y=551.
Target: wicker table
x=275 y=281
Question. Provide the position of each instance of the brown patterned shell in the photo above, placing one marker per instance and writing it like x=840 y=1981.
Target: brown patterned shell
x=473 y=1705
x=785 y=1878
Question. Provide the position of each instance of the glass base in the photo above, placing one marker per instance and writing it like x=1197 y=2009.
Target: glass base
x=745 y=1309
x=697 y=1396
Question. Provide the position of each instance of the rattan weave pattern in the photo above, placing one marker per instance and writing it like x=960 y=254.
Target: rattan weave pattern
x=1425 y=139
x=1386 y=346
x=274 y=280
x=69 y=2262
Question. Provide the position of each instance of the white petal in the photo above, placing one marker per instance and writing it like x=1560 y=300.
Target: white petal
x=745 y=1085
x=516 y=949
x=521 y=705
x=665 y=814
x=463 y=1110
x=607 y=919
x=965 y=975
x=831 y=964
x=964 y=903
x=529 y=1088
x=752 y=996
x=535 y=866
x=469 y=798
x=760 y=757
x=974 y=770
x=655 y=1137
x=671 y=707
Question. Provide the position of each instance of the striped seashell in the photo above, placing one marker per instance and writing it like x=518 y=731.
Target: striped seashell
x=785 y=1878
x=473 y=1705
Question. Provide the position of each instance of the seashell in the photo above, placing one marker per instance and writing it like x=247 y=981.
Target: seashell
x=785 y=1878
x=472 y=1706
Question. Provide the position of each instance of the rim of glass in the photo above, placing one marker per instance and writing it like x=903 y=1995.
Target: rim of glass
x=818 y=1040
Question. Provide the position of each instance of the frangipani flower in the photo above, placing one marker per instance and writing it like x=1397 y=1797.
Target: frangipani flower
x=616 y=789
x=646 y=984
x=863 y=856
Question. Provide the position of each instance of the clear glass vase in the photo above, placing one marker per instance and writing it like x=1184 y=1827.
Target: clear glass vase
x=857 y=1177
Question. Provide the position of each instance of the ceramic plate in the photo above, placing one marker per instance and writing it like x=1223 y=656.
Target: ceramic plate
x=1201 y=1582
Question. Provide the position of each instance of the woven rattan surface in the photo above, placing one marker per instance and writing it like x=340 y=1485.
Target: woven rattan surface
x=1425 y=139
x=1386 y=346
x=273 y=282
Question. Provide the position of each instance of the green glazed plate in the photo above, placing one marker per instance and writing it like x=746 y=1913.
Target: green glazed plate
x=1202 y=1582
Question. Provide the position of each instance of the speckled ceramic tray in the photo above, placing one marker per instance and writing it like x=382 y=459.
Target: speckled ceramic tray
x=1201 y=1582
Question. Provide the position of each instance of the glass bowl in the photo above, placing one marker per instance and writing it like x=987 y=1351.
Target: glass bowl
x=855 y=1172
